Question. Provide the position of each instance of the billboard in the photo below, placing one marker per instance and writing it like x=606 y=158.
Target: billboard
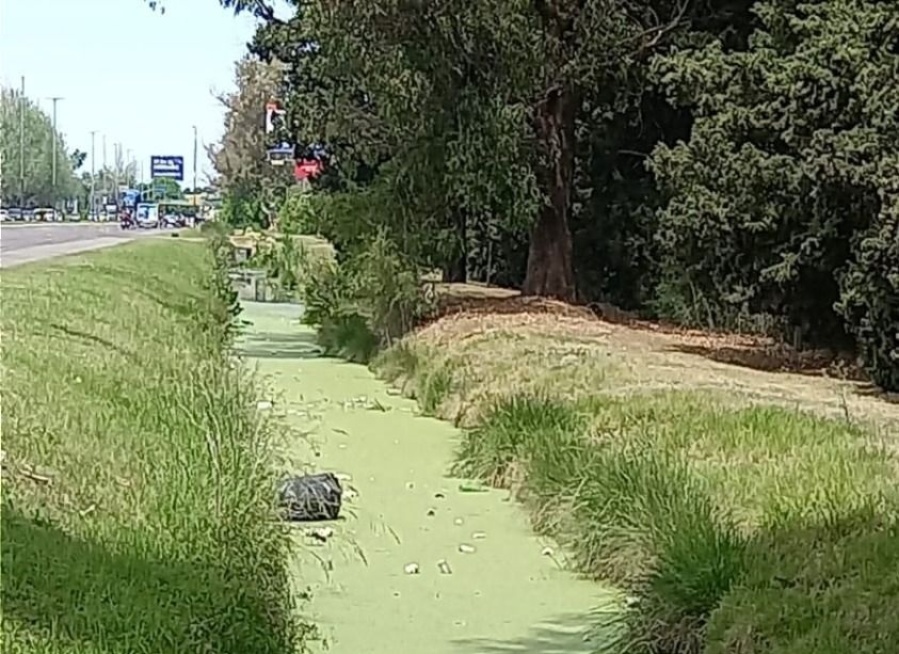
x=167 y=166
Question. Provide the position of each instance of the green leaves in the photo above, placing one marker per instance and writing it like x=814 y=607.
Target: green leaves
x=26 y=145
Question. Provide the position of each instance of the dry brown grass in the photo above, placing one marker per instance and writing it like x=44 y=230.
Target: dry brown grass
x=495 y=343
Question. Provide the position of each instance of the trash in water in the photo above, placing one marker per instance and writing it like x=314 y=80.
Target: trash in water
x=410 y=485
x=321 y=534
x=478 y=535
x=411 y=569
x=458 y=522
x=308 y=498
x=439 y=496
x=547 y=551
x=465 y=548
x=444 y=567
x=431 y=513
x=264 y=405
x=473 y=488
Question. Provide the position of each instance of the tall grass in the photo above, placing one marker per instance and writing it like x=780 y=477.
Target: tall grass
x=691 y=506
x=137 y=488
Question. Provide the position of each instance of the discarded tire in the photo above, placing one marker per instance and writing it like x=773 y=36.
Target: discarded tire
x=309 y=498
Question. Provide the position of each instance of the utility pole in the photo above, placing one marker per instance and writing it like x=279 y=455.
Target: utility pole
x=55 y=137
x=105 y=174
x=22 y=104
x=93 y=201
x=195 y=163
x=117 y=155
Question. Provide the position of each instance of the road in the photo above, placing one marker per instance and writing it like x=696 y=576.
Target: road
x=22 y=244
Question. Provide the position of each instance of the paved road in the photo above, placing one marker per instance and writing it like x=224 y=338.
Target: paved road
x=21 y=244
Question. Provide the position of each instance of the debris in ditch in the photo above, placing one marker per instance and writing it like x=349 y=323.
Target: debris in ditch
x=309 y=498
x=473 y=488
x=465 y=548
x=321 y=534
x=411 y=569
x=547 y=551
x=444 y=567
x=264 y=405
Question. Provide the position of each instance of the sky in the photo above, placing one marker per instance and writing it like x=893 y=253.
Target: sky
x=137 y=77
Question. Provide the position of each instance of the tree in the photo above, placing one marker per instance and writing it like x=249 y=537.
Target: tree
x=241 y=158
x=784 y=200
x=29 y=180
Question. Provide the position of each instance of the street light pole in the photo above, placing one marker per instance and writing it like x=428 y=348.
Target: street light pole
x=195 y=160
x=93 y=201
x=22 y=143
x=55 y=100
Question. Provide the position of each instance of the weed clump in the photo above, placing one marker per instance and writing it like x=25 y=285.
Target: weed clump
x=365 y=302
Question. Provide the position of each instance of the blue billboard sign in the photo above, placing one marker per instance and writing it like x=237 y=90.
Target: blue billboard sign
x=130 y=198
x=168 y=167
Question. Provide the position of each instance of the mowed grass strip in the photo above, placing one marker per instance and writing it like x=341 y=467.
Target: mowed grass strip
x=137 y=485
x=733 y=527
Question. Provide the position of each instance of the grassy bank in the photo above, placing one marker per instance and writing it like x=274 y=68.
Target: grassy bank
x=742 y=511
x=136 y=485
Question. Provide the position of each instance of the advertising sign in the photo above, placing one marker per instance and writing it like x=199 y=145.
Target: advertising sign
x=129 y=198
x=274 y=117
x=306 y=168
x=167 y=166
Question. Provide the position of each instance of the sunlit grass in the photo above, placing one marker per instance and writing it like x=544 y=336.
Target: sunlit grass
x=137 y=481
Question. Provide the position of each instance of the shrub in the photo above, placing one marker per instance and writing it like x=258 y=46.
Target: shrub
x=870 y=300
x=365 y=302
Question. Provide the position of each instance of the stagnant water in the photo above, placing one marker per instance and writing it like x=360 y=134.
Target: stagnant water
x=502 y=589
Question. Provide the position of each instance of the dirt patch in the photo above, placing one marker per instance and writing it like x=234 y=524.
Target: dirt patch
x=497 y=342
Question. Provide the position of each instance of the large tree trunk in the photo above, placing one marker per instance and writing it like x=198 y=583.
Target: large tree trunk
x=550 y=269
x=456 y=269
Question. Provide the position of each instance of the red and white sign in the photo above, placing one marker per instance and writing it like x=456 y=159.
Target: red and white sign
x=274 y=115
x=306 y=168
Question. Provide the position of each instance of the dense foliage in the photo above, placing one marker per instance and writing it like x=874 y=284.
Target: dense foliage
x=724 y=163
x=26 y=150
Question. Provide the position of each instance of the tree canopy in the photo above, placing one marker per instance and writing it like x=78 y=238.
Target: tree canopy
x=724 y=163
x=27 y=178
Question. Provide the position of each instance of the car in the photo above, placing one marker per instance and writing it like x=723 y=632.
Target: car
x=4 y=215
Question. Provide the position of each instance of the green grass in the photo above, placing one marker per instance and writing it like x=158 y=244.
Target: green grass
x=732 y=529
x=137 y=484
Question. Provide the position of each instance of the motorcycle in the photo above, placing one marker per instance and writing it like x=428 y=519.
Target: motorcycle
x=126 y=222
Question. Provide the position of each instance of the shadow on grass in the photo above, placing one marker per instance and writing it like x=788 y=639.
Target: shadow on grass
x=870 y=390
x=82 y=595
x=816 y=589
x=262 y=345
x=93 y=338
x=767 y=358
x=566 y=634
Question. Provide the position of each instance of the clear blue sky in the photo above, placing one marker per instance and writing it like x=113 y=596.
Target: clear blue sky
x=140 y=78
